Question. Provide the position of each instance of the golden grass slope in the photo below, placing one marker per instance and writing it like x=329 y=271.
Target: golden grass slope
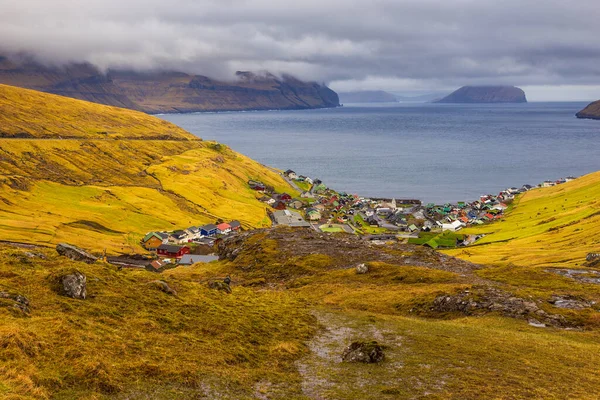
x=28 y=113
x=555 y=226
x=107 y=193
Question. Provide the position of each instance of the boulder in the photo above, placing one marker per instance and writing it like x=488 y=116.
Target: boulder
x=163 y=287
x=73 y=285
x=220 y=285
x=364 y=352
x=362 y=269
x=75 y=253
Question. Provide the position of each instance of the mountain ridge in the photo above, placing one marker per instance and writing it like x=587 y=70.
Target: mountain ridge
x=591 y=111
x=485 y=94
x=168 y=91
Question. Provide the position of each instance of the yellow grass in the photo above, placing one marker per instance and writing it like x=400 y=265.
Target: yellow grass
x=107 y=193
x=555 y=226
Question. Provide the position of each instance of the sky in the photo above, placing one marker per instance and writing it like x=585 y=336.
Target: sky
x=549 y=48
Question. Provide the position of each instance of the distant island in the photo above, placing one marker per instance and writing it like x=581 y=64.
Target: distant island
x=591 y=111
x=367 y=96
x=486 y=94
x=168 y=91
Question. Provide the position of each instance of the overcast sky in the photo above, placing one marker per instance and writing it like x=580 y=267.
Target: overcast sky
x=550 y=48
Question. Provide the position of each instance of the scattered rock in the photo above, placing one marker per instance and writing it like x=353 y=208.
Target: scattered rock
x=15 y=302
x=75 y=253
x=362 y=268
x=220 y=285
x=73 y=285
x=35 y=255
x=163 y=286
x=570 y=302
x=536 y=323
x=365 y=352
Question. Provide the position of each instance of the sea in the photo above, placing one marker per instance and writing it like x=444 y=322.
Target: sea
x=432 y=152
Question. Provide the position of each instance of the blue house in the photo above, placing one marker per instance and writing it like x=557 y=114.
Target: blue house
x=208 y=230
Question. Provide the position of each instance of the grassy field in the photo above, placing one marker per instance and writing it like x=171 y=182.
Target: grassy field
x=106 y=192
x=556 y=226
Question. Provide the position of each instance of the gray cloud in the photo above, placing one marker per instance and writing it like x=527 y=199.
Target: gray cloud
x=414 y=44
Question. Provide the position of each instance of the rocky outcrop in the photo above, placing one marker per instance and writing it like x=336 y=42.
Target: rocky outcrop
x=168 y=92
x=368 y=352
x=591 y=111
x=486 y=94
x=75 y=253
x=73 y=285
x=362 y=268
x=16 y=303
x=487 y=300
x=220 y=285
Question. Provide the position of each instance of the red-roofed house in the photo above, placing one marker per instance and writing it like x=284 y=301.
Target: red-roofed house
x=223 y=228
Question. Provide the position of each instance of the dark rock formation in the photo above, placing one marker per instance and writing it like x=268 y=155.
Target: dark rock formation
x=168 y=92
x=73 y=285
x=75 y=253
x=486 y=94
x=367 y=96
x=591 y=111
x=163 y=287
x=364 y=352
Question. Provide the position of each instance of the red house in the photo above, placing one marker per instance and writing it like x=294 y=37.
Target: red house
x=171 y=251
x=285 y=197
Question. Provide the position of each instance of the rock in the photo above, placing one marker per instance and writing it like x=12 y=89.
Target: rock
x=75 y=253
x=362 y=269
x=73 y=285
x=220 y=285
x=17 y=303
x=163 y=287
x=363 y=351
x=570 y=302
x=35 y=255
x=536 y=323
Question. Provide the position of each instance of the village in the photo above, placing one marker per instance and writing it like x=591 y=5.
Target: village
x=323 y=209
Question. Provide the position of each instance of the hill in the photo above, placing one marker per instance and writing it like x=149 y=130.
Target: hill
x=485 y=94
x=367 y=96
x=167 y=91
x=104 y=176
x=591 y=111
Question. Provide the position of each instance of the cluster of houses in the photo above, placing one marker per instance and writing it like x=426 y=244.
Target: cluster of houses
x=176 y=244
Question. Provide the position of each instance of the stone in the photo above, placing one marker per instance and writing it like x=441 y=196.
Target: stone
x=163 y=287
x=363 y=351
x=17 y=303
x=75 y=253
x=220 y=285
x=362 y=269
x=74 y=285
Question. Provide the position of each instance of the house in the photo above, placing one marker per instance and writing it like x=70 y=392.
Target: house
x=453 y=226
x=189 y=259
x=308 y=180
x=290 y=174
x=172 y=251
x=548 y=183
x=412 y=228
x=313 y=214
x=156 y=265
x=279 y=205
x=223 y=228
x=208 y=230
x=179 y=236
x=284 y=197
x=289 y=218
x=235 y=225
x=193 y=232
x=258 y=186
x=297 y=204
x=154 y=239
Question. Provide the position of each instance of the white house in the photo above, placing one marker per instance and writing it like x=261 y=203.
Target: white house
x=453 y=226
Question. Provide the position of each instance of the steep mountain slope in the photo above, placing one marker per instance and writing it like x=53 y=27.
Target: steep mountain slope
x=104 y=176
x=591 y=111
x=486 y=94
x=164 y=92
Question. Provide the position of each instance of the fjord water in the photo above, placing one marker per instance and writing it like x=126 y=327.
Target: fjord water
x=433 y=152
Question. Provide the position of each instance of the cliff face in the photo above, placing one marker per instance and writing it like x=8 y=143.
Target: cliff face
x=591 y=111
x=166 y=92
x=486 y=94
